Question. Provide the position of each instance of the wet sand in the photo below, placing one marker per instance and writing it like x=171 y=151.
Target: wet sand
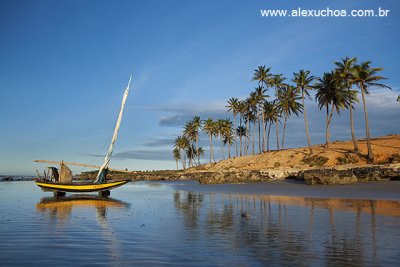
x=385 y=190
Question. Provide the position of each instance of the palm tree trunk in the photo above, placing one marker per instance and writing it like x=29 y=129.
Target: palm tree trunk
x=197 y=150
x=284 y=131
x=211 y=152
x=236 y=143
x=177 y=167
x=222 y=148
x=277 y=134
x=326 y=127
x=353 y=136
x=259 y=134
x=190 y=156
x=370 y=153
x=247 y=137
x=306 y=123
x=264 y=133
x=328 y=124
x=254 y=137
x=229 y=151
x=184 y=162
x=269 y=130
x=276 y=122
x=241 y=135
x=241 y=145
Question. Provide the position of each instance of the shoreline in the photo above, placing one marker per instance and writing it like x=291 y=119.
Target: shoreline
x=379 y=190
x=336 y=175
x=337 y=165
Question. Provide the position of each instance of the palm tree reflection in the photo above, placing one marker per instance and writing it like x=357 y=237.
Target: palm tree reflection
x=289 y=229
x=189 y=205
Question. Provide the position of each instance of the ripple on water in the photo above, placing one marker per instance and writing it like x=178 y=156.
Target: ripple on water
x=162 y=225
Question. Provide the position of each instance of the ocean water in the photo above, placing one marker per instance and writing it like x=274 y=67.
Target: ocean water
x=185 y=224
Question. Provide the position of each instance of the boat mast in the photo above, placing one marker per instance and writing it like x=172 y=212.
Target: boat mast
x=111 y=148
x=75 y=164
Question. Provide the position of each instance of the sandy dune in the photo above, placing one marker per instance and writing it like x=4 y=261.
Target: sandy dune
x=340 y=153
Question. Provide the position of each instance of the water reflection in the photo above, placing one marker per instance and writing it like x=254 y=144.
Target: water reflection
x=60 y=210
x=61 y=207
x=291 y=229
x=189 y=205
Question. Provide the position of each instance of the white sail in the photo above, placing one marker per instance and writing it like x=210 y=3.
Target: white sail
x=111 y=148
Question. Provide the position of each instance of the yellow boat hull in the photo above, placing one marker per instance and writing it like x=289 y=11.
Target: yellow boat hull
x=79 y=187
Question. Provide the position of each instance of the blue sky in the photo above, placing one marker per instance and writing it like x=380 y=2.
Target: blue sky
x=64 y=66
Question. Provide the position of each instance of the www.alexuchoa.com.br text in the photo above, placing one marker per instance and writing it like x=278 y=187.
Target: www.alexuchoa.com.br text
x=327 y=12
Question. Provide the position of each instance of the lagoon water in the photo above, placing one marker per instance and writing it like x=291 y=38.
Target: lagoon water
x=185 y=224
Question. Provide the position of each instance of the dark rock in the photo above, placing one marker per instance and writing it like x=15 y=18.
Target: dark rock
x=351 y=174
x=344 y=174
x=245 y=215
x=329 y=176
x=395 y=158
x=377 y=172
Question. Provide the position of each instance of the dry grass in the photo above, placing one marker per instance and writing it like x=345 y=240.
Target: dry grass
x=340 y=153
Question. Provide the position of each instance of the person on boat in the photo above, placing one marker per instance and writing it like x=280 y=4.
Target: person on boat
x=54 y=175
x=103 y=176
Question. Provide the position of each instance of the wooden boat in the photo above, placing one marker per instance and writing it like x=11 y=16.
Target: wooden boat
x=78 y=187
x=60 y=183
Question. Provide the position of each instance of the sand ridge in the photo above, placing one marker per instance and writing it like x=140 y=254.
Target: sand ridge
x=339 y=153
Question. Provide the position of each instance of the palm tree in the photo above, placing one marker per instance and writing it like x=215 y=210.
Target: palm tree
x=241 y=132
x=233 y=105
x=331 y=92
x=247 y=117
x=242 y=110
x=196 y=121
x=288 y=98
x=252 y=114
x=177 y=156
x=344 y=70
x=365 y=77
x=182 y=143
x=303 y=82
x=199 y=152
x=220 y=124
x=189 y=131
x=262 y=75
x=270 y=115
x=260 y=98
x=277 y=82
x=190 y=153
x=228 y=137
x=209 y=128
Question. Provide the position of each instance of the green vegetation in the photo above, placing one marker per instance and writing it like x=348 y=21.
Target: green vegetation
x=254 y=116
x=395 y=158
x=315 y=161
x=277 y=164
x=347 y=159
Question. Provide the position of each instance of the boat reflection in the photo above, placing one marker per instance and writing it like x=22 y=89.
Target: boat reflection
x=61 y=207
x=60 y=210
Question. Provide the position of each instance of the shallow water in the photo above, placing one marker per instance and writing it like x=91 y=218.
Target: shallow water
x=182 y=223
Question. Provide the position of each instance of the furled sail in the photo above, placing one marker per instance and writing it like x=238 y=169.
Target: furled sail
x=65 y=174
x=101 y=174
